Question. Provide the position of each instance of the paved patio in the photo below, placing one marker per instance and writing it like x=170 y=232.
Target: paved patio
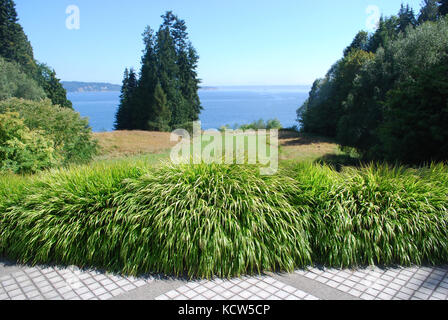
x=55 y=283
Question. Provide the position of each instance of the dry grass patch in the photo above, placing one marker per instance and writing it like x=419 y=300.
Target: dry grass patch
x=121 y=143
x=295 y=146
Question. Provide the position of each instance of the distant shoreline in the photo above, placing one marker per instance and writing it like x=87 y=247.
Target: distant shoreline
x=79 y=87
x=83 y=87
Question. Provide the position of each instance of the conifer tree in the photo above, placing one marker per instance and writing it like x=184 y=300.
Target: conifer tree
x=124 y=117
x=443 y=7
x=406 y=18
x=14 y=44
x=166 y=95
x=121 y=121
x=187 y=59
x=429 y=11
x=52 y=86
x=386 y=32
x=360 y=42
x=162 y=114
x=144 y=96
x=15 y=47
x=168 y=74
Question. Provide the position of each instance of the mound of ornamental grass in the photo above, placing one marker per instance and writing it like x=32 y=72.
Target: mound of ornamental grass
x=375 y=215
x=225 y=220
x=201 y=220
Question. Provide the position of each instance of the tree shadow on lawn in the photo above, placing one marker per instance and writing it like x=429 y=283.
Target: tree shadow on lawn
x=338 y=161
x=294 y=138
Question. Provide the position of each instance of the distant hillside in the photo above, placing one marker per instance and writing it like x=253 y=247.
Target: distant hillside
x=208 y=88
x=75 y=86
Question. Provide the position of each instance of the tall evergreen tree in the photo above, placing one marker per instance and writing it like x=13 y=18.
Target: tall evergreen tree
x=386 y=32
x=14 y=44
x=124 y=118
x=46 y=77
x=166 y=95
x=143 y=104
x=406 y=18
x=168 y=74
x=192 y=83
x=429 y=11
x=360 y=42
x=122 y=115
x=443 y=7
x=187 y=60
x=162 y=113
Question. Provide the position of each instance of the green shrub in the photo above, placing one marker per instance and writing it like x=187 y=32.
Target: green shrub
x=70 y=133
x=187 y=126
x=256 y=125
x=273 y=124
x=23 y=150
x=16 y=83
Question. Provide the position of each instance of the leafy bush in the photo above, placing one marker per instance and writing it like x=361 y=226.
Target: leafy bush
x=23 y=150
x=256 y=125
x=16 y=83
x=69 y=132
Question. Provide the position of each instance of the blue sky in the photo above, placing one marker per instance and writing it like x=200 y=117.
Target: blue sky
x=240 y=42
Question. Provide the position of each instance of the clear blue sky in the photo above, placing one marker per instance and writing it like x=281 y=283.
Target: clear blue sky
x=240 y=42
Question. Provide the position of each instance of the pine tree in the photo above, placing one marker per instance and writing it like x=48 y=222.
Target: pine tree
x=168 y=75
x=162 y=113
x=429 y=11
x=143 y=103
x=121 y=117
x=124 y=118
x=132 y=105
x=187 y=59
x=166 y=95
x=406 y=18
x=360 y=42
x=386 y=32
x=443 y=7
x=46 y=77
x=14 y=44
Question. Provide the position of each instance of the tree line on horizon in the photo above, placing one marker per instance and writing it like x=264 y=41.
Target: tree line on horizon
x=22 y=76
x=387 y=97
x=164 y=95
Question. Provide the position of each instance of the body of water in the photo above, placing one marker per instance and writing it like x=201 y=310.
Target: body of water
x=223 y=105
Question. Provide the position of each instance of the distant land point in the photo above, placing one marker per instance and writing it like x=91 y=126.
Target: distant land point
x=76 y=86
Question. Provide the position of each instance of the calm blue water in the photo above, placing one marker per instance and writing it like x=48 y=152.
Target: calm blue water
x=225 y=105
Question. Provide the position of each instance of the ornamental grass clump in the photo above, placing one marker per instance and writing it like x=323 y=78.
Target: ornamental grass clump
x=205 y=220
x=201 y=221
x=66 y=216
x=378 y=214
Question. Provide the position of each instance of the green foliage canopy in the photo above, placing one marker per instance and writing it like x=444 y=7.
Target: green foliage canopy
x=23 y=150
x=14 y=82
x=165 y=95
x=387 y=98
x=70 y=134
